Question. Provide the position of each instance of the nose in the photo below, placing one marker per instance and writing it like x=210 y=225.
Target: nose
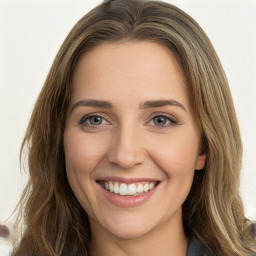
x=126 y=149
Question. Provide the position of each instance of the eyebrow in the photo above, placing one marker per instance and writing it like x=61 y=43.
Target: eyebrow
x=92 y=103
x=145 y=105
x=161 y=103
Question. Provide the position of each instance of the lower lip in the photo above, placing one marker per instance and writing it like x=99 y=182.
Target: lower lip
x=128 y=201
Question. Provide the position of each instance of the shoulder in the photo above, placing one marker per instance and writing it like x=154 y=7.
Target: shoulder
x=197 y=248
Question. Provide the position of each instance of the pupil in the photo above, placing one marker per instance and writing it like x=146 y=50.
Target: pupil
x=159 y=120
x=95 y=120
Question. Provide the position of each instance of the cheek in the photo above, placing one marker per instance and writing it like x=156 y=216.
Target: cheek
x=82 y=153
x=176 y=154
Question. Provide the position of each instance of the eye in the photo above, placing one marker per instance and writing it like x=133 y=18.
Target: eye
x=162 y=121
x=94 y=120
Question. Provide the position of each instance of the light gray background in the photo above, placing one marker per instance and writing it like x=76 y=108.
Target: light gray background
x=31 y=33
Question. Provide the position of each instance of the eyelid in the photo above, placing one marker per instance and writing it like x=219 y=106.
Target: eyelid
x=87 y=116
x=172 y=119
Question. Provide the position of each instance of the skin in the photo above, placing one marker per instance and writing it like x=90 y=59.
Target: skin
x=128 y=143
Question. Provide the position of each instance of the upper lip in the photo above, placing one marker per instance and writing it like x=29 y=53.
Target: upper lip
x=127 y=180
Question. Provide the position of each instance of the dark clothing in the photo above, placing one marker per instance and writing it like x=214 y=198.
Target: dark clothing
x=196 y=247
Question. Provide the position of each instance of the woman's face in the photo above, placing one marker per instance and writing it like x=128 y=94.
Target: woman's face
x=131 y=141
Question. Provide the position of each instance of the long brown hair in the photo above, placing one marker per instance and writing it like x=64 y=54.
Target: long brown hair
x=53 y=221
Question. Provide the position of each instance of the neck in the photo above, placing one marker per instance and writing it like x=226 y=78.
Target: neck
x=166 y=239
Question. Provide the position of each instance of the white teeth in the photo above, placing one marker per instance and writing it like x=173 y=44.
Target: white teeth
x=139 y=189
x=146 y=188
x=116 y=188
x=111 y=187
x=132 y=189
x=123 y=189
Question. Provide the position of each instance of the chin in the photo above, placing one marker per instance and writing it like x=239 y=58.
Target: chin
x=127 y=233
x=131 y=226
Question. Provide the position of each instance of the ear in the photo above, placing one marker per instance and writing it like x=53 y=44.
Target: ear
x=201 y=159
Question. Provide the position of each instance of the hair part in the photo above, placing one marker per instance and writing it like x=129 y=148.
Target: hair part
x=54 y=222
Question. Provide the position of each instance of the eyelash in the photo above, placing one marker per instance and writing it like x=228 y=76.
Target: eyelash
x=170 y=120
x=86 y=118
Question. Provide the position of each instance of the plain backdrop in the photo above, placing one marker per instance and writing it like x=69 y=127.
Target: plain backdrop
x=31 y=33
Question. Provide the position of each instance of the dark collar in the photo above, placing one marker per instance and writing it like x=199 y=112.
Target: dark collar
x=196 y=247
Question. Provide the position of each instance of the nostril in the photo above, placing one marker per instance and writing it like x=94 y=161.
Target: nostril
x=125 y=157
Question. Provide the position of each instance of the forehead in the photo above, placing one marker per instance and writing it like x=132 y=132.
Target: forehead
x=128 y=69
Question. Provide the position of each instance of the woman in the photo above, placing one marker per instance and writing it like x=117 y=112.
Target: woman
x=133 y=145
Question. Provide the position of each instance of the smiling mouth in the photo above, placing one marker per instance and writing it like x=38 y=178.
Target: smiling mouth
x=132 y=189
